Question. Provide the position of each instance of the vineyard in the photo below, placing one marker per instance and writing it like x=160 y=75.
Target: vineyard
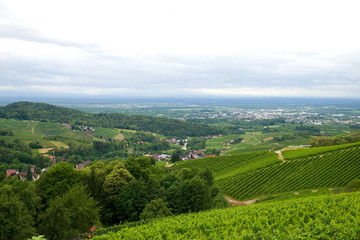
x=334 y=169
x=225 y=166
x=251 y=175
x=306 y=152
x=325 y=217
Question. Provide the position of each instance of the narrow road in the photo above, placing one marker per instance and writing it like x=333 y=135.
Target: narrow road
x=184 y=147
x=33 y=132
x=234 y=202
x=281 y=157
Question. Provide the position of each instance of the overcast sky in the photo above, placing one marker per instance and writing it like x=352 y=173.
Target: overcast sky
x=180 y=48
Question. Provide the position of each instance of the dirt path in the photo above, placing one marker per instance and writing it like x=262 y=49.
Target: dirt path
x=234 y=202
x=281 y=157
x=184 y=147
x=119 y=137
x=33 y=132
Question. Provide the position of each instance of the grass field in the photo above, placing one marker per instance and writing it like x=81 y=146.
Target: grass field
x=247 y=176
x=106 y=132
x=253 y=141
x=29 y=131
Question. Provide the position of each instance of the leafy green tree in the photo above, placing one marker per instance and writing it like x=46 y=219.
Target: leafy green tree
x=156 y=209
x=116 y=179
x=35 y=145
x=196 y=194
x=15 y=220
x=75 y=159
x=219 y=202
x=55 y=223
x=26 y=192
x=131 y=201
x=175 y=198
x=57 y=181
x=40 y=161
x=140 y=168
x=175 y=157
x=188 y=173
x=29 y=173
x=73 y=213
x=354 y=185
x=189 y=195
x=207 y=175
x=4 y=132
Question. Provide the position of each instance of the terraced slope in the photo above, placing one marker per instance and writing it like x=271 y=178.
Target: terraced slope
x=326 y=217
x=250 y=175
x=333 y=169
x=226 y=166
x=35 y=131
x=305 y=152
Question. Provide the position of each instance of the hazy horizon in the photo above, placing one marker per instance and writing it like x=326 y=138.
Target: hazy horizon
x=142 y=49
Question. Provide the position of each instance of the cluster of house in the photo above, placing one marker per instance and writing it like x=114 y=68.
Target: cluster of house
x=82 y=165
x=35 y=176
x=193 y=154
x=85 y=129
x=22 y=175
x=66 y=125
x=174 y=141
x=213 y=136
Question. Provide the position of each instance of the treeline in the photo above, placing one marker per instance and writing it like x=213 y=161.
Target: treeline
x=18 y=155
x=51 y=113
x=331 y=141
x=65 y=202
x=240 y=126
x=5 y=132
x=79 y=151
x=301 y=131
x=196 y=143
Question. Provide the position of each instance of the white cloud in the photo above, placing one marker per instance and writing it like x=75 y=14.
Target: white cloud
x=258 y=48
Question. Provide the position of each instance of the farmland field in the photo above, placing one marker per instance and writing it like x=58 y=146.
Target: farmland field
x=252 y=141
x=30 y=131
x=324 y=217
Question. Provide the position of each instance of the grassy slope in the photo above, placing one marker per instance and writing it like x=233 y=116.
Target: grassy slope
x=106 y=132
x=305 y=152
x=324 y=217
x=246 y=176
x=227 y=166
x=35 y=131
x=253 y=141
x=333 y=169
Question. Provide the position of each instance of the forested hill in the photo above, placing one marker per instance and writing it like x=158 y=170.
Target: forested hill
x=51 y=113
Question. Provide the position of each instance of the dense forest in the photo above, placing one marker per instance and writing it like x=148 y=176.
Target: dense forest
x=19 y=156
x=65 y=202
x=51 y=113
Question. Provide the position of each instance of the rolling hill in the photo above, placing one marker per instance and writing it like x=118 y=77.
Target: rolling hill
x=323 y=215
x=252 y=175
x=31 y=131
x=51 y=113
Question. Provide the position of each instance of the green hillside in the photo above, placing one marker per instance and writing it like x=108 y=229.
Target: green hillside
x=35 y=131
x=51 y=113
x=226 y=166
x=325 y=217
x=306 y=152
x=334 y=169
x=251 y=175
